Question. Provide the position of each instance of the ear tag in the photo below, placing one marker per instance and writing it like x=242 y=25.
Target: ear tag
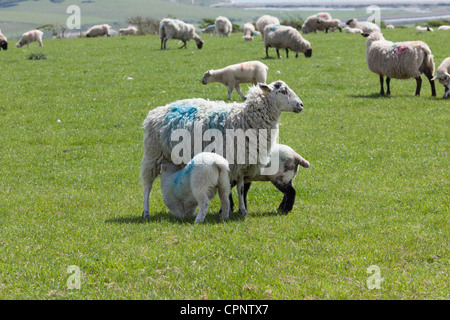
x=266 y=90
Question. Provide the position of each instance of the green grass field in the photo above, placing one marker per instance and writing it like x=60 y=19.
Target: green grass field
x=377 y=192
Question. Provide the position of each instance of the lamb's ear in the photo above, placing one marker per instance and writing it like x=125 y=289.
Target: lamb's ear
x=264 y=87
x=447 y=74
x=434 y=78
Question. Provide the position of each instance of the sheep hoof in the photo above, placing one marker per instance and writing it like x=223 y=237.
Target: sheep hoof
x=145 y=215
x=243 y=213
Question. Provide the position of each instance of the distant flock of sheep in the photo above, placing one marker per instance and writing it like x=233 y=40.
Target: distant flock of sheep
x=192 y=184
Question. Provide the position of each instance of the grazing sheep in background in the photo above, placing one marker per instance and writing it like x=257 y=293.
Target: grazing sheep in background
x=443 y=75
x=99 y=31
x=211 y=29
x=366 y=27
x=288 y=164
x=312 y=24
x=352 y=30
x=264 y=21
x=423 y=29
x=130 y=31
x=223 y=26
x=400 y=60
x=30 y=36
x=177 y=29
x=249 y=31
x=390 y=27
x=444 y=28
x=195 y=185
x=332 y=25
x=232 y=76
x=260 y=112
x=285 y=37
x=3 y=41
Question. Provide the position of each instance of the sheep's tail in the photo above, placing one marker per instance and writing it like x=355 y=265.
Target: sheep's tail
x=299 y=160
x=428 y=61
x=224 y=178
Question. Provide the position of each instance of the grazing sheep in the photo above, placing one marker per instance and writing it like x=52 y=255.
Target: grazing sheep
x=177 y=29
x=3 y=41
x=232 y=76
x=30 y=36
x=260 y=112
x=444 y=28
x=288 y=162
x=264 y=21
x=312 y=24
x=400 y=60
x=332 y=25
x=195 y=185
x=423 y=29
x=443 y=75
x=130 y=31
x=211 y=29
x=99 y=31
x=390 y=27
x=249 y=31
x=352 y=30
x=223 y=26
x=285 y=37
x=366 y=27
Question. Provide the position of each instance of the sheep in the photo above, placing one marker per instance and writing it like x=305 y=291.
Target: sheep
x=443 y=75
x=400 y=60
x=366 y=27
x=285 y=37
x=390 y=27
x=130 y=31
x=312 y=24
x=177 y=29
x=249 y=31
x=332 y=25
x=223 y=26
x=352 y=30
x=423 y=29
x=260 y=112
x=30 y=36
x=99 y=31
x=3 y=41
x=444 y=28
x=288 y=162
x=263 y=21
x=233 y=75
x=211 y=29
x=195 y=185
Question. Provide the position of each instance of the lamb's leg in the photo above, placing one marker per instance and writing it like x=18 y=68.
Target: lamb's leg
x=381 y=85
x=418 y=85
x=289 y=197
x=238 y=89
x=203 y=203
x=388 y=85
x=230 y=90
x=446 y=93
x=240 y=186
x=433 y=87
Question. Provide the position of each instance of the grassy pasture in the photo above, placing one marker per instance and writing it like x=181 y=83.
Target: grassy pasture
x=71 y=139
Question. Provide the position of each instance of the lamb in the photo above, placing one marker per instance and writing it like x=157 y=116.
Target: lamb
x=285 y=37
x=352 y=30
x=3 y=41
x=195 y=185
x=223 y=26
x=390 y=27
x=206 y=119
x=423 y=29
x=312 y=24
x=30 y=36
x=177 y=29
x=249 y=31
x=265 y=20
x=130 y=31
x=288 y=162
x=400 y=60
x=211 y=29
x=444 y=28
x=332 y=25
x=233 y=75
x=366 y=27
x=99 y=31
x=443 y=75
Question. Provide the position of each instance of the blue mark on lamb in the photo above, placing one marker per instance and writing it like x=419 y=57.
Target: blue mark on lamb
x=186 y=171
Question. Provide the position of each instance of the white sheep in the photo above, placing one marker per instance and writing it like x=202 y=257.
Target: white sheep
x=366 y=27
x=352 y=30
x=332 y=25
x=195 y=185
x=400 y=60
x=249 y=31
x=99 y=31
x=390 y=27
x=423 y=29
x=444 y=28
x=211 y=29
x=265 y=20
x=177 y=29
x=31 y=36
x=223 y=26
x=288 y=163
x=130 y=31
x=3 y=41
x=197 y=119
x=232 y=76
x=443 y=75
x=285 y=37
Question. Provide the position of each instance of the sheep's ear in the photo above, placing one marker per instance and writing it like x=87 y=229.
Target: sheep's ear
x=434 y=78
x=365 y=35
x=264 y=87
x=447 y=74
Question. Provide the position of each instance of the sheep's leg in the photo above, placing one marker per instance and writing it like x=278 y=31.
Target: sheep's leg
x=184 y=45
x=230 y=90
x=381 y=85
x=163 y=44
x=267 y=51
x=246 y=188
x=240 y=186
x=225 y=204
x=238 y=89
x=203 y=203
x=296 y=54
x=418 y=85
x=289 y=197
x=433 y=87
x=150 y=169
x=388 y=85
x=446 y=93
x=278 y=53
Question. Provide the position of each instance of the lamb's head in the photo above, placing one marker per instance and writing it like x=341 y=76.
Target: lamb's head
x=4 y=44
x=206 y=77
x=282 y=96
x=167 y=169
x=352 y=23
x=443 y=78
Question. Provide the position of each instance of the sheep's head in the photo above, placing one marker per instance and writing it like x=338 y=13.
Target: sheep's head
x=198 y=41
x=4 y=45
x=443 y=78
x=282 y=96
x=206 y=77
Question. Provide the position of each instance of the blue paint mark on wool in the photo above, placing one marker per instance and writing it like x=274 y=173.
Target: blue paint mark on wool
x=180 y=115
x=218 y=119
x=274 y=27
x=185 y=172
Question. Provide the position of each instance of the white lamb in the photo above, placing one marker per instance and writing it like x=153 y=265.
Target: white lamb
x=195 y=185
x=31 y=36
x=332 y=25
x=177 y=29
x=99 y=31
x=211 y=29
x=285 y=37
x=400 y=60
x=443 y=75
x=352 y=30
x=3 y=41
x=249 y=31
x=200 y=120
x=232 y=76
x=130 y=31
x=223 y=26
x=390 y=27
x=265 y=20
x=424 y=29
x=366 y=27
x=444 y=28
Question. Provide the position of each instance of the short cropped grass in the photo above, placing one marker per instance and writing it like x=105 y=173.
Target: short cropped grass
x=71 y=146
